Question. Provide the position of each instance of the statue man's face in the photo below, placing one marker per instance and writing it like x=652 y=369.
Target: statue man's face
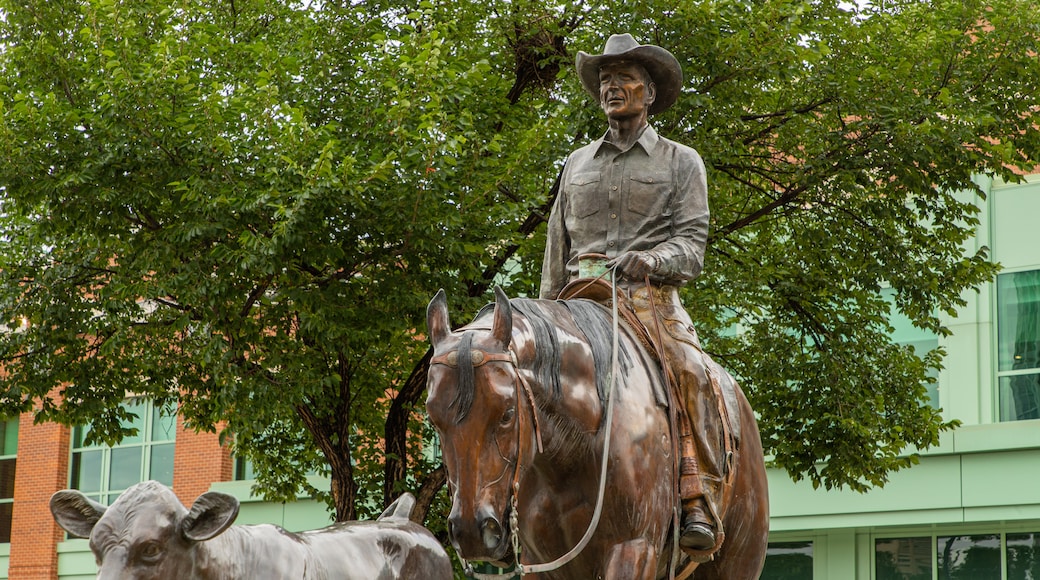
x=625 y=90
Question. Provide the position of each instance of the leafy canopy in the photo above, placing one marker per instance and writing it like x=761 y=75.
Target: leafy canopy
x=245 y=206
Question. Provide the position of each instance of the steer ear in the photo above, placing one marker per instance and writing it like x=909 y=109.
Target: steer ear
x=75 y=512
x=437 y=318
x=210 y=515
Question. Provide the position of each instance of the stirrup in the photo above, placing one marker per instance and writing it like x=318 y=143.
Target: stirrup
x=696 y=535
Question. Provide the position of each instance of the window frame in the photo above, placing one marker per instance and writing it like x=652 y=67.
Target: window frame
x=999 y=374
x=5 y=426
x=147 y=414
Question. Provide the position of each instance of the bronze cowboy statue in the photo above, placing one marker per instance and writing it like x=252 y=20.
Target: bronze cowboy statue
x=569 y=447
x=641 y=200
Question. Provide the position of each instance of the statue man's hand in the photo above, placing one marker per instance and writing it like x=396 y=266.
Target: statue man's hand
x=636 y=265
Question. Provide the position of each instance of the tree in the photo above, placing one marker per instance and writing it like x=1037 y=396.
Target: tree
x=244 y=207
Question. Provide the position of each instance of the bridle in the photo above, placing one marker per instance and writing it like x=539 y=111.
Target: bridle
x=478 y=358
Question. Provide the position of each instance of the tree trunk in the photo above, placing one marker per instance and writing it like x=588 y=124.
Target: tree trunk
x=427 y=491
x=395 y=432
x=343 y=488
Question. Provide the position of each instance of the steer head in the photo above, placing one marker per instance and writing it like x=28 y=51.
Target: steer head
x=146 y=534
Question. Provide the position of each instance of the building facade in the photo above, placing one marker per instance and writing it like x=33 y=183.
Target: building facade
x=971 y=508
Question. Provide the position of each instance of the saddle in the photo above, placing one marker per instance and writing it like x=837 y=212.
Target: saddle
x=599 y=290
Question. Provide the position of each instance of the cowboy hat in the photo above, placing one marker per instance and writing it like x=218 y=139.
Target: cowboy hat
x=662 y=66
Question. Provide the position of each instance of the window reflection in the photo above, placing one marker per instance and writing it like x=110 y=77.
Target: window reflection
x=1018 y=345
x=903 y=559
x=968 y=557
x=788 y=561
x=1023 y=556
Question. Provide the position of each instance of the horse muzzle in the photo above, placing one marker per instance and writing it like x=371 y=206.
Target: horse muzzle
x=484 y=538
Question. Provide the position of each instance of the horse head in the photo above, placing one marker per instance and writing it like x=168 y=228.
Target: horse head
x=476 y=404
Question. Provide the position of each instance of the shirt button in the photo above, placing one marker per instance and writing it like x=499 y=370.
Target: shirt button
x=613 y=216
x=614 y=188
x=611 y=244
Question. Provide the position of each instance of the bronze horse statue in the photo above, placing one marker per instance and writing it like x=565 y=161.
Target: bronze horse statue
x=519 y=398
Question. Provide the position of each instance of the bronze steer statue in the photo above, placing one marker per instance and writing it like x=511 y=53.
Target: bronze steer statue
x=147 y=534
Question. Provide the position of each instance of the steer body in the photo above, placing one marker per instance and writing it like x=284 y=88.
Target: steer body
x=147 y=534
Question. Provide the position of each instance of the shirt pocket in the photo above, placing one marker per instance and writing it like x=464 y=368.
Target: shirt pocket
x=648 y=193
x=584 y=195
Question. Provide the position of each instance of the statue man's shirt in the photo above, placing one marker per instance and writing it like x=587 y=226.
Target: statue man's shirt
x=654 y=196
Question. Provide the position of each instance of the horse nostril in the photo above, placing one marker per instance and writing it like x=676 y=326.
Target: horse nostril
x=491 y=531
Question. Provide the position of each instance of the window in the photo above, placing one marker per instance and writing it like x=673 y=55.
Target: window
x=244 y=469
x=8 y=450
x=788 y=561
x=968 y=557
x=1023 y=556
x=102 y=472
x=959 y=557
x=903 y=559
x=1018 y=345
x=922 y=341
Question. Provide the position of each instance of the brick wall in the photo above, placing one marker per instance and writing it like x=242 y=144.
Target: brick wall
x=42 y=468
x=198 y=461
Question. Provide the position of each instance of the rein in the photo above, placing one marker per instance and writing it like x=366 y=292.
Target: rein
x=514 y=522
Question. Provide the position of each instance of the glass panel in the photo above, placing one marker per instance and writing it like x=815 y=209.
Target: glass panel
x=161 y=465
x=244 y=469
x=923 y=341
x=79 y=435
x=125 y=469
x=1019 y=397
x=6 y=510
x=788 y=561
x=138 y=409
x=86 y=471
x=1023 y=556
x=9 y=437
x=164 y=424
x=921 y=348
x=1018 y=320
x=903 y=559
x=7 y=467
x=968 y=557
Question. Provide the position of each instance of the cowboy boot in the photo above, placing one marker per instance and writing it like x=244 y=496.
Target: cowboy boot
x=697 y=529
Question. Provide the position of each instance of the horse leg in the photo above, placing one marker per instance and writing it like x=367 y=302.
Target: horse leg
x=631 y=560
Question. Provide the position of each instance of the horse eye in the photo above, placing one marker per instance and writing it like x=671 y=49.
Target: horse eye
x=507 y=417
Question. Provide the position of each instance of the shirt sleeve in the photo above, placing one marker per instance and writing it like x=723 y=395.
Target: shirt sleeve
x=557 y=248
x=682 y=254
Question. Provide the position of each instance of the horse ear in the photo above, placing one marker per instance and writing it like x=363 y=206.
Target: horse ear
x=437 y=322
x=502 y=328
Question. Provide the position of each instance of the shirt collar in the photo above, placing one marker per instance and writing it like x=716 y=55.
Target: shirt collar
x=648 y=140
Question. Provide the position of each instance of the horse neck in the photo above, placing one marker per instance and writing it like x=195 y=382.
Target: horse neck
x=567 y=421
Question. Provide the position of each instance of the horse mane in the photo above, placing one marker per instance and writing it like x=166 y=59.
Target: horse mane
x=591 y=319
